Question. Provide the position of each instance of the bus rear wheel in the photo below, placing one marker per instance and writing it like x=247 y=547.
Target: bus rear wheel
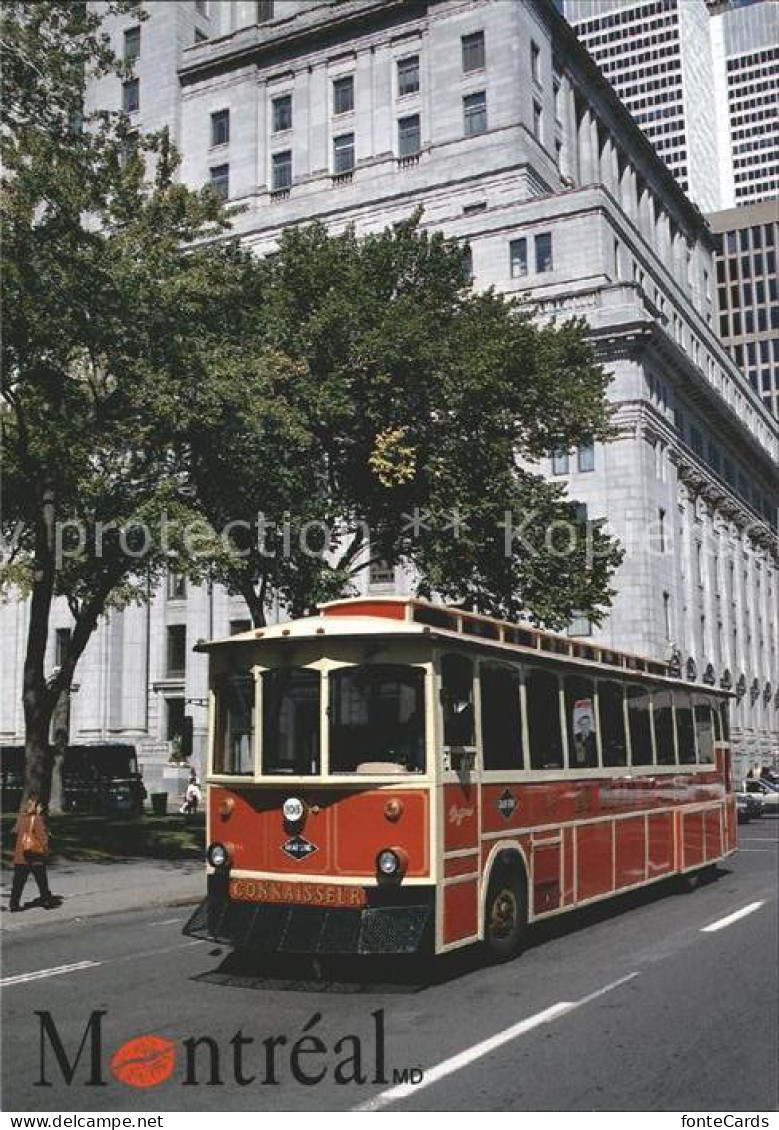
x=505 y=919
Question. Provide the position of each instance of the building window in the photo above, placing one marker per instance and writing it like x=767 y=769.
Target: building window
x=201 y=7
x=580 y=625
x=518 y=258
x=560 y=462
x=132 y=43
x=264 y=11
x=131 y=95
x=220 y=181
x=543 y=253
x=281 y=170
x=409 y=137
x=473 y=51
x=537 y=120
x=282 y=113
x=586 y=456
x=380 y=573
x=220 y=127
x=535 y=62
x=238 y=627
x=177 y=651
x=475 y=113
x=174 y=718
x=667 y=615
x=61 y=646
x=343 y=95
x=177 y=586
x=408 y=75
x=343 y=153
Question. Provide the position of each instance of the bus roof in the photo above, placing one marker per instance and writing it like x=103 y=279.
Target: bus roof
x=394 y=616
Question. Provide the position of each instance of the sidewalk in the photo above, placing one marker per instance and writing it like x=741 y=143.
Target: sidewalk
x=91 y=889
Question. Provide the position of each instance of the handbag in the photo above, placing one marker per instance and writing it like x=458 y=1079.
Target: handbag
x=32 y=841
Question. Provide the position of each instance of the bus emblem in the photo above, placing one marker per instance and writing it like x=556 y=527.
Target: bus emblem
x=507 y=802
x=298 y=847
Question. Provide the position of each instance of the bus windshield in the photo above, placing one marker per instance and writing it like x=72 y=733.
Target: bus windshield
x=377 y=719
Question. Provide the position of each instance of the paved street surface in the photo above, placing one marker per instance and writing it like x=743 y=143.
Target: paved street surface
x=658 y=1001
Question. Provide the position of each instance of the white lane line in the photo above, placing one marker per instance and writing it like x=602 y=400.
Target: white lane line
x=55 y=971
x=167 y=922
x=721 y=923
x=757 y=840
x=478 y=1051
x=765 y=851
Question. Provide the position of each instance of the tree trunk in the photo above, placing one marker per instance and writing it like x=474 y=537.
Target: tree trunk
x=255 y=603
x=60 y=737
x=37 y=698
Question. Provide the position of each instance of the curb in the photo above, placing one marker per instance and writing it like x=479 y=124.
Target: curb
x=43 y=923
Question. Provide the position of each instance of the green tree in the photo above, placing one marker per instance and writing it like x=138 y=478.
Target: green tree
x=409 y=412
x=110 y=297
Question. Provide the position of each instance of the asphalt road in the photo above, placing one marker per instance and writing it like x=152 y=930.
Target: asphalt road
x=634 y=1005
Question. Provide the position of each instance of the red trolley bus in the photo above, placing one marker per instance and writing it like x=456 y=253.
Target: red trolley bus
x=393 y=776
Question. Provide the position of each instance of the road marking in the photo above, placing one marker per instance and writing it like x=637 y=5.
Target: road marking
x=478 y=1051
x=721 y=923
x=167 y=922
x=55 y=971
x=757 y=840
x=766 y=851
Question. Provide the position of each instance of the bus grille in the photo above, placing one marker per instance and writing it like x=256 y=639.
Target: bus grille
x=274 y=928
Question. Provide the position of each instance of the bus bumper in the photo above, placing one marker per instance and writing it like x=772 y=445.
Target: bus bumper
x=394 y=922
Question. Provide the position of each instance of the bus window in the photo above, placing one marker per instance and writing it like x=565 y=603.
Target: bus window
x=639 y=720
x=457 y=700
x=663 y=715
x=501 y=717
x=722 y=721
x=582 y=722
x=290 y=721
x=704 y=728
x=234 y=737
x=377 y=719
x=542 y=689
x=685 y=727
x=612 y=722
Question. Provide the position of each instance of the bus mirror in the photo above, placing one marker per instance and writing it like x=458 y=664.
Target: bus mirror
x=460 y=759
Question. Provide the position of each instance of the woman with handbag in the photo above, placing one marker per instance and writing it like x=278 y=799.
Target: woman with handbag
x=31 y=854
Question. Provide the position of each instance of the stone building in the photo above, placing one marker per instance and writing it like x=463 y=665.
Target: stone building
x=493 y=118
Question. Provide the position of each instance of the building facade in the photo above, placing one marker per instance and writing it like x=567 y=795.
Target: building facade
x=493 y=118
x=701 y=78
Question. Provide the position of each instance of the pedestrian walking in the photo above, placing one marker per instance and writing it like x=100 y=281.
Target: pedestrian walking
x=31 y=856
x=192 y=796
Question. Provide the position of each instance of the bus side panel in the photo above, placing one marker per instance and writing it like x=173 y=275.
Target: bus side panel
x=461 y=818
x=660 y=844
x=546 y=876
x=569 y=864
x=630 y=851
x=460 y=911
x=692 y=839
x=594 y=859
x=712 y=832
x=731 y=837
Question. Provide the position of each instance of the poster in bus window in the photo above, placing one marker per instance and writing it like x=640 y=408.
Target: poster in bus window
x=583 y=727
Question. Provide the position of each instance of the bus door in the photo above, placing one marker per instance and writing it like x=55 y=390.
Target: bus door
x=460 y=815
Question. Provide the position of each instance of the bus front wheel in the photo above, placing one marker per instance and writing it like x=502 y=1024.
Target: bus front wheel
x=505 y=919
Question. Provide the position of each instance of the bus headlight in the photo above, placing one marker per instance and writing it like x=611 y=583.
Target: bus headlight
x=217 y=855
x=391 y=863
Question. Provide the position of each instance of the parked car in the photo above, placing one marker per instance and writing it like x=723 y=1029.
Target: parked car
x=766 y=790
x=749 y=806
x=744 y=806
x=98 y=779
